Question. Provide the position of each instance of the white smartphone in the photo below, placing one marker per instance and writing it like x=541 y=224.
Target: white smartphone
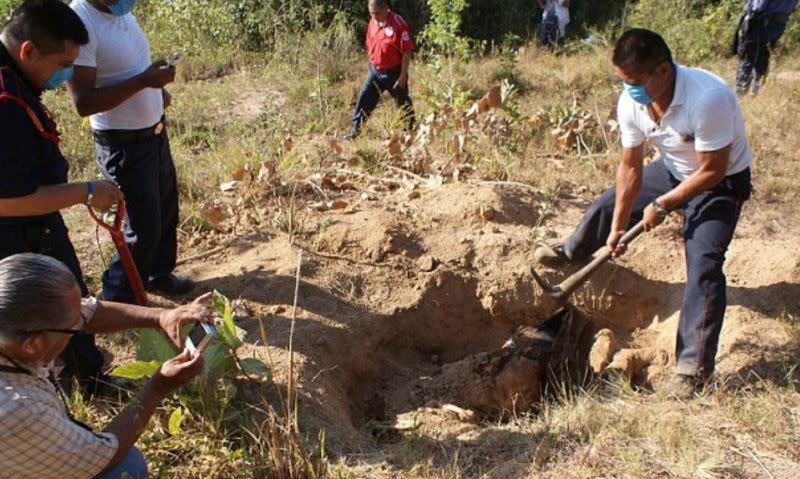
x=199 y=337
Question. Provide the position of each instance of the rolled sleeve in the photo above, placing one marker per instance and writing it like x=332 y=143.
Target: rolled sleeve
x=631 y=135
x=18 y=152
x=47 y=444
x=406 y=44
x=712 y=119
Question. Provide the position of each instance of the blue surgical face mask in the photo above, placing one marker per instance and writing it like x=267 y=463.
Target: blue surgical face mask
x=122 y=7
x=58 y=77
x=639 y=92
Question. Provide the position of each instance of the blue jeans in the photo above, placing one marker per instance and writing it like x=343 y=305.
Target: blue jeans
x=132 y=466
x=709 y=220
x=145 y=172
x=377 y=82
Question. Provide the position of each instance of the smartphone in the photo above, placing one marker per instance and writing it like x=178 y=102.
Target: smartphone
x=199 y=337
x=173 y=60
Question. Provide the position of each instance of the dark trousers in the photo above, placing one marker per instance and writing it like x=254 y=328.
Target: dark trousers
x=48 y=236
x=146 y=174
x=709 y=220
x=755 y=54
x=377 y=82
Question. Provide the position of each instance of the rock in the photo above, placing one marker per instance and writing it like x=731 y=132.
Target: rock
x=414 y=195
x=603 y=349
x=426 y=263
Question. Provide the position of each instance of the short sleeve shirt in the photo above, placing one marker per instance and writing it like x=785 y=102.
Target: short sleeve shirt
x=704 y=116
x=386 y=43
x=118 y=50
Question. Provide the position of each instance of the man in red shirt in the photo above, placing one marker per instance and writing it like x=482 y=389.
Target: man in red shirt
x=389 y=46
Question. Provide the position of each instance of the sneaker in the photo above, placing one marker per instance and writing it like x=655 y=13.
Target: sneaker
x=169 y=284
x=552 y=256
x=681 y=387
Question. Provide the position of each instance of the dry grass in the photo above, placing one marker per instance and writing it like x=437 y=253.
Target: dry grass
x=609 y=431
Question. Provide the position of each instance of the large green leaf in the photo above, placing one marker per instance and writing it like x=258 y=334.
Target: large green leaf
x=154 y=346
x=217 y=361
x=256 y=367
x=136 y=369
x=175 y=420
x=227 y=330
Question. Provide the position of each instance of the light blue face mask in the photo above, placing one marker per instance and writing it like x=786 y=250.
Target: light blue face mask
x=58 y=77
x=122 y=7
x=638 y=92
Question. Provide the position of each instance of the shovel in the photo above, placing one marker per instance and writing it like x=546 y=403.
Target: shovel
x=128 y=265
x=561 y=292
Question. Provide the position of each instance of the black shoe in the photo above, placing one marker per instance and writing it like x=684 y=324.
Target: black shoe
x=552 y=256
x=169 y=284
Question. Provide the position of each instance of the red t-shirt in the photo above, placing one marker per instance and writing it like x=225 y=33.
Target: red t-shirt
x=386 y=44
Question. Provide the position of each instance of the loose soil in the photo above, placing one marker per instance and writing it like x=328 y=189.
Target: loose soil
x=419 y=311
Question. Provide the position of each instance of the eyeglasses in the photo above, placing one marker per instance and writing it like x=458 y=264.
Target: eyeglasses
x=70 y=332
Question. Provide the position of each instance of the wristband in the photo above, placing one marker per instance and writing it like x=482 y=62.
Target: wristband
x=661 y=212
x=89 y=192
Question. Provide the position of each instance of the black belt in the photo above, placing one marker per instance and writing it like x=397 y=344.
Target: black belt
x=117 y=137
x=388 y=70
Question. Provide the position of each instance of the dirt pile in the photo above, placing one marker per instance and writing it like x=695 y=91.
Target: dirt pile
x=407 y=305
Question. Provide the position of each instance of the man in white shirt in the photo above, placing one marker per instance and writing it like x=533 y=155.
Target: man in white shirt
x=694 y=119
x=115 y=83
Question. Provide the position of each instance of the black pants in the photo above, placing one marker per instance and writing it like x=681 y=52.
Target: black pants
x=377 y=82
x=709 y=220
x=47 y=235
x=755 y=54
x=145 y=172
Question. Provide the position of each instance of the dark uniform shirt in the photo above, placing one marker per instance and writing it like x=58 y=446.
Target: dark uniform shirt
x=29 y=159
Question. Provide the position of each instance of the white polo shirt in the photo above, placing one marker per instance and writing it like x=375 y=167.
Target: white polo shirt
x=704 y=116
x=119 y=50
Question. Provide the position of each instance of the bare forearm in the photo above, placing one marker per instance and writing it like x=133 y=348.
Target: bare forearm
x=113 y=317
x=107 y=98
x=47 y=199
x=700 y=181
x=629 y=180
x=404 y=67
x=129 y=425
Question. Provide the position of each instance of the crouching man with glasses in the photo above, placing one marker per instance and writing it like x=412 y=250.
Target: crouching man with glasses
x=40 y=309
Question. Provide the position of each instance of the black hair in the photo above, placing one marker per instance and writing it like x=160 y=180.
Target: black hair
x=641 y=50
x=46 y=23
x=380 y=3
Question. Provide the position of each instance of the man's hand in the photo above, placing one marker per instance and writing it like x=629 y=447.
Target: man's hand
x=177 y=371
x=402 y=81
x=157 y=75
x=106 y=194
x=651 y=218
x=171 y=320
x=167 y=98
x=617 y=248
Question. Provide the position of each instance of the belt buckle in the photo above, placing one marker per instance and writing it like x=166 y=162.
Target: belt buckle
x=159 y=128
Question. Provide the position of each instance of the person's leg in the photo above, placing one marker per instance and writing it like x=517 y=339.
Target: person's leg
x=595 y=226
x=744 y=74
x=132 y=466
x=367 y=101
x=135 y=167
x=709 y=222
x=761 y=63
x=402 y=100
x=164 y=261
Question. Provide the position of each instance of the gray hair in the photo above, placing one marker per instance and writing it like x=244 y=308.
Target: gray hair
x=379 y=3
x=33 y=289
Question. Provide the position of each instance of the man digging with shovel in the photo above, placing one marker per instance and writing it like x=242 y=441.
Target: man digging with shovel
x=694 y=119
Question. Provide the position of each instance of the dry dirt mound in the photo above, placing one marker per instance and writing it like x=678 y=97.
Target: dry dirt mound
x=405 y=308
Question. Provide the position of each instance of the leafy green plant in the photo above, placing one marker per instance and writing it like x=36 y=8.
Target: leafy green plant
x=220 y=359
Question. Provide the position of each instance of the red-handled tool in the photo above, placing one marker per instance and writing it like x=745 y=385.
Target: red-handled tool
x=134 y=280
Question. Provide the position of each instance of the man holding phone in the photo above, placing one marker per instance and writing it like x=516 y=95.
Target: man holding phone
x=116 y=84
x=40 y=309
